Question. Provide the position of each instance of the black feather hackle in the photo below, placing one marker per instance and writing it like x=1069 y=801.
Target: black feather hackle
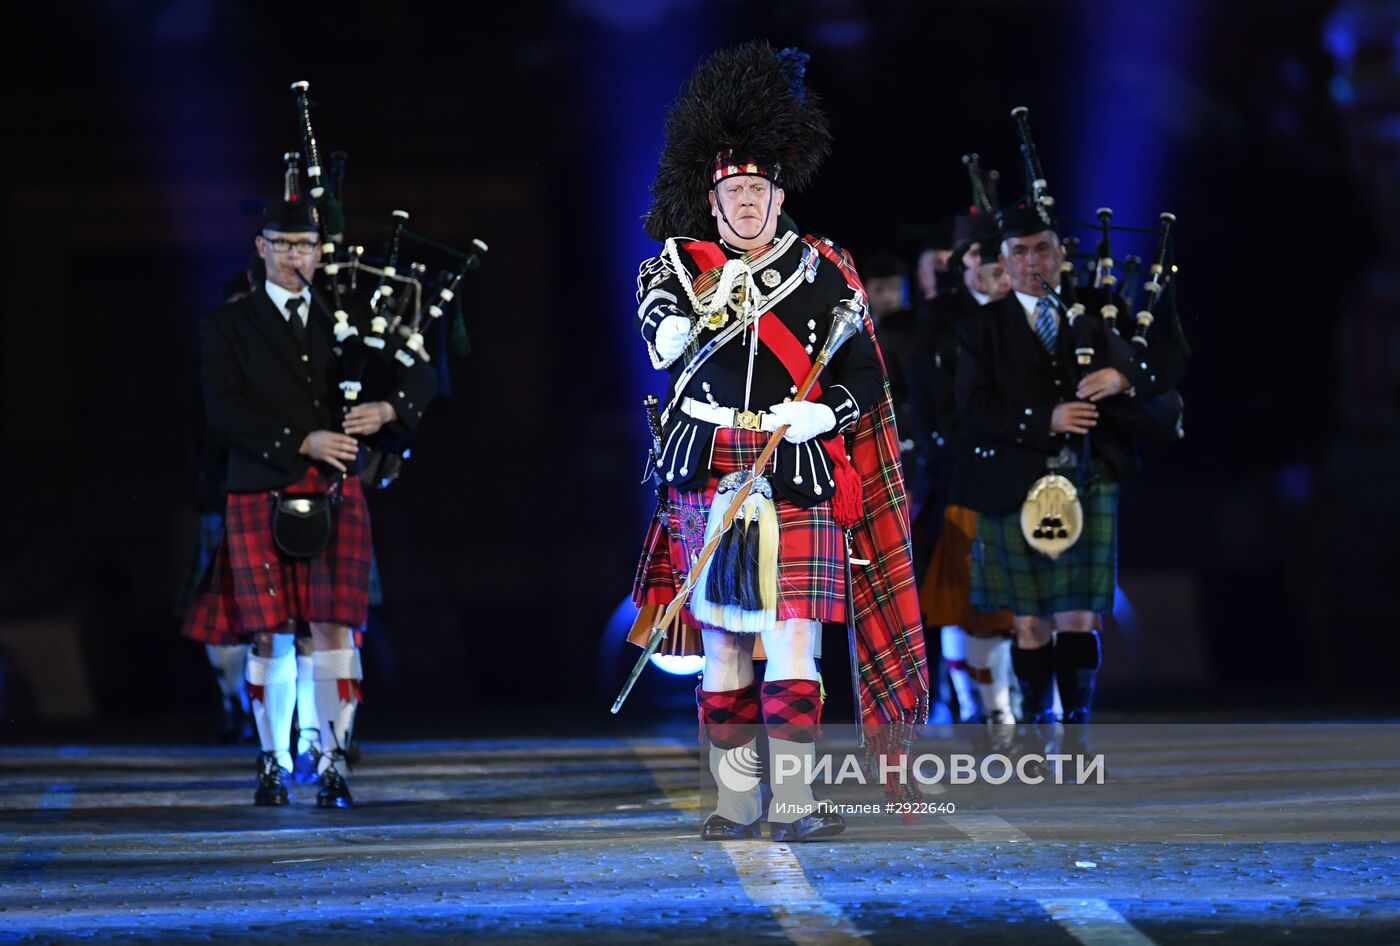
x=750 y=99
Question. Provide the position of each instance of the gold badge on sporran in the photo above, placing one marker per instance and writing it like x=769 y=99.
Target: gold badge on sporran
x=1052 y=518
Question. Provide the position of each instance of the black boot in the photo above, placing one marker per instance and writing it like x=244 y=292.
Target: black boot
x=235 y=724
x=272 y=781
x=334 y=793
x=1035 y=672
x=1077 y=660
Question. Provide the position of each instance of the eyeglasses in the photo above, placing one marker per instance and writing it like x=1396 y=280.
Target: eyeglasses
x=287 y=246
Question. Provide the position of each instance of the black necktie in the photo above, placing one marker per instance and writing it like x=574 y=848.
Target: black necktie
x=294 y=321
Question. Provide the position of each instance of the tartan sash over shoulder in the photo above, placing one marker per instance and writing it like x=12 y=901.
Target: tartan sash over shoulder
x=889 y=628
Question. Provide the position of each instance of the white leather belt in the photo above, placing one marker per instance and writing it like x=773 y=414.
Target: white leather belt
x=728 y=416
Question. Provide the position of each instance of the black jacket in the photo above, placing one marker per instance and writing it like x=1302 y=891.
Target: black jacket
x=935 y=399
x=803 y=287
x=262 y=395
x=1007 y=387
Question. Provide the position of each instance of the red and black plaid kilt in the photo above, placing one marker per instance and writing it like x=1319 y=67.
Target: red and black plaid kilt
x=210 y=618
x=254 y=587
x=811 y=576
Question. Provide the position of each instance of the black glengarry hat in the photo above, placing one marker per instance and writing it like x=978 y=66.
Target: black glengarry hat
x=1024 y=219
x=289 y=217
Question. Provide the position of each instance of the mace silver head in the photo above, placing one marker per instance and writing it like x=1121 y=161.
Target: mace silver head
x=847 y=318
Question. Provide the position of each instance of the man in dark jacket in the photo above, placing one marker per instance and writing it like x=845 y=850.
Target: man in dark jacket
x=272 y=391
x=1027 y=408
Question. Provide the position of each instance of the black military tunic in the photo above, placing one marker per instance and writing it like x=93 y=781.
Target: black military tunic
x=735 y=377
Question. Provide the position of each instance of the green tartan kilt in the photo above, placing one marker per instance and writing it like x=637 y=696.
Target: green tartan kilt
x=1008 y=573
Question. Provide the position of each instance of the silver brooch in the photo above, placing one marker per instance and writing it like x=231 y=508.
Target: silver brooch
x=733 y=481
x=771 y=278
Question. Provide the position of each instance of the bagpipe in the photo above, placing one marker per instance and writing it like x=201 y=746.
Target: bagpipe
x=1052 y=516
x=984 y=186
x=1160 y=418
x=1156 y=418
x=408 y=303
x=984 y=210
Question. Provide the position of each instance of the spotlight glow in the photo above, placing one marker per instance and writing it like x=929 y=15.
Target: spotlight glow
x=677 y=665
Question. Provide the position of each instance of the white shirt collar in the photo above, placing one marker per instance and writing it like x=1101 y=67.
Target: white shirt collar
x=1029 y=302
x=279 y=297
x=982 y=299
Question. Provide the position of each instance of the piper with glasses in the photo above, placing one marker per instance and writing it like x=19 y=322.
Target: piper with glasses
x=296 y=545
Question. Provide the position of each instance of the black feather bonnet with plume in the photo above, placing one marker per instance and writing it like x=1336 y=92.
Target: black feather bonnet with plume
x=743 y=111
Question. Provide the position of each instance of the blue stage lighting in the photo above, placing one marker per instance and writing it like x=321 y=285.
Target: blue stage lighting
x=1124 y=613
x=1121 y=157
x=638 y=63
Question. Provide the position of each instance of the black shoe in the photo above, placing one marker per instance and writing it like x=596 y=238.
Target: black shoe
x=235 y=725
x=272 y=781
x=304 y=766
x=819 y=824
x=333 y=793
x=719 y=828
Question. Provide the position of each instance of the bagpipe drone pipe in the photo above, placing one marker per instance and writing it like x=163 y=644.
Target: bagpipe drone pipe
x=382 y=331
x=1153 y=337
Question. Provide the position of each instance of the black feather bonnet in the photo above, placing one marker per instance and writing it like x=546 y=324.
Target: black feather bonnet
x=743 y=111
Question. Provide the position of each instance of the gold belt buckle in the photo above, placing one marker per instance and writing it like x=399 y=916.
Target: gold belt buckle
x=748 y=420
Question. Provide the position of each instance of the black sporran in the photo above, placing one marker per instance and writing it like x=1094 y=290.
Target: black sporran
x=302 y=522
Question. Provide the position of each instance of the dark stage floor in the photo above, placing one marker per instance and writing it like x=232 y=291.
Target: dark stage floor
x=1227 y=834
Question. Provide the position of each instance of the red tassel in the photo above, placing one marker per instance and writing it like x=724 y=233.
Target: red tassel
x=255 y=693
x=846 y=503
x=349 y=690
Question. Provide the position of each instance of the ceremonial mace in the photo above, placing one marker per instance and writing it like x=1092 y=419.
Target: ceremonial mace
x=847 y=318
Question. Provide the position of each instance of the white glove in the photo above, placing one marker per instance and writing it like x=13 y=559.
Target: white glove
x=805 y=419
x=671 y=336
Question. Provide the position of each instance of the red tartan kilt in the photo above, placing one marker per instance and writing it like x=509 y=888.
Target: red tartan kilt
x=811 y=577
x=253 y=587
x=210 y=618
